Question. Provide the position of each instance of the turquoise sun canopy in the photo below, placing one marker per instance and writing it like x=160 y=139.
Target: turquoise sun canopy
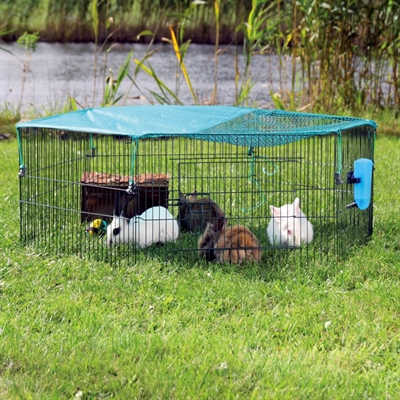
x=236 y=125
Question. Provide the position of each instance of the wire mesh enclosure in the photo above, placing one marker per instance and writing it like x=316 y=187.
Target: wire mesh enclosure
x=196 y=183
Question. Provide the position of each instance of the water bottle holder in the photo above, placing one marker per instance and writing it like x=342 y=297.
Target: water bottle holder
x=351 y=179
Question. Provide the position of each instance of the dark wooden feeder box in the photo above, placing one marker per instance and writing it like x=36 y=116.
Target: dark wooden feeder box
x=100 y=191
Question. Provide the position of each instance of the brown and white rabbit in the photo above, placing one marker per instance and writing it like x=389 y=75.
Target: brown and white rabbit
x=195 y=212
x=229 y=244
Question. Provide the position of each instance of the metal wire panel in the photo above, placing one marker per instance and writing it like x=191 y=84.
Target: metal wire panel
x=244 y=176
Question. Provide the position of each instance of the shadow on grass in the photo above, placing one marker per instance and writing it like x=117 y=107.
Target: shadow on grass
x=332 y=243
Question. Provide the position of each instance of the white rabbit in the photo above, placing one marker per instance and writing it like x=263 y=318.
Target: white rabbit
x=155 y=225
x=289 y=226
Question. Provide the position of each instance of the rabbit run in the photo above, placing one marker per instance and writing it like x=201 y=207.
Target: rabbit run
x=195 y=212
x=289 y=226
x=226 y=244
x=155 y=225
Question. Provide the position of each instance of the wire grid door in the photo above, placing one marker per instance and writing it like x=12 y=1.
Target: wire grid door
x=244 y=181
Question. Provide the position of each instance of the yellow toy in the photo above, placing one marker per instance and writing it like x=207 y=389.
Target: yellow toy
x=97 y=227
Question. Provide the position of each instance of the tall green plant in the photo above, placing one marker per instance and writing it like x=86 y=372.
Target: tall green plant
x=95 y=24
x=254 y=42
x=165 y=95
x=342 y=52
x=180 y=47
x=111 y=86
x=29 y=41
x=110 y=94
x=217 y=8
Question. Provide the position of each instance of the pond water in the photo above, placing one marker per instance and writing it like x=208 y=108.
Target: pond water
x=60 y=70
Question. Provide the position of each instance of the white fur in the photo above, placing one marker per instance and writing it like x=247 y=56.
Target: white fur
x=155 y=225
x=289 y=226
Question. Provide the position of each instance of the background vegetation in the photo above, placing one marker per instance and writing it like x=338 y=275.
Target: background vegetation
x=71 y=20
x=337 y=55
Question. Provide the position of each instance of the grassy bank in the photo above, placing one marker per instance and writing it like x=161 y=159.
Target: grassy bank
x=75 y=328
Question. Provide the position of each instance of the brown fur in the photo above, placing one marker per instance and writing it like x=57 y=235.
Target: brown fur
x=235 y=245
x=195 y=212
x=207 y=242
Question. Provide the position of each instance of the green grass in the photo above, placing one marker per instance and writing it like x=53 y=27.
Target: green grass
x=71 y=327
x=9 y=116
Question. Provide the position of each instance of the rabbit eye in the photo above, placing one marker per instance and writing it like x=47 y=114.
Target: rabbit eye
x=289 y=231
x=116 y=231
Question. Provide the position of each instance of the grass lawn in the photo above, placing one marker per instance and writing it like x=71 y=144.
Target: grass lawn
x=71 y=328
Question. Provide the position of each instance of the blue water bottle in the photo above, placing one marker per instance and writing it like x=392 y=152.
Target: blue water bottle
x=362 y=190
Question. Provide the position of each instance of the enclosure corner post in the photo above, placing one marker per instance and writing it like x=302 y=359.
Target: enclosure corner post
x=22 y=168
x=338 y=173
x=132 y=168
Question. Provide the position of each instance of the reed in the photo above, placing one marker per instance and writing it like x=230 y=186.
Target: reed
x=29 y=43
x=344 y=55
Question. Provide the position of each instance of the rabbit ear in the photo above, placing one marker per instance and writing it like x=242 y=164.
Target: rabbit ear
x=220 y=224
x=276 y=213
x=193 y=196
x=120 y=200
x=296 y=207
x=182 y=197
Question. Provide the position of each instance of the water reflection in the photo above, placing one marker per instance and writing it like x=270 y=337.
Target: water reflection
x=59 y=70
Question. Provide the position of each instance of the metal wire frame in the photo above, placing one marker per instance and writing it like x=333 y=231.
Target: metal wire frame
x=243 y=180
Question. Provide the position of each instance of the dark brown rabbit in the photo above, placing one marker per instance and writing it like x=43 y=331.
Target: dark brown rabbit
x=226 y=244
x=195 y=212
